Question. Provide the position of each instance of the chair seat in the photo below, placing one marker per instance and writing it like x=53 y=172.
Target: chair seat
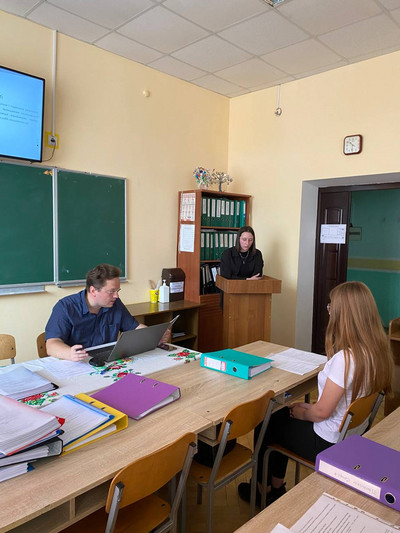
x=139 y=517
x=235 y=459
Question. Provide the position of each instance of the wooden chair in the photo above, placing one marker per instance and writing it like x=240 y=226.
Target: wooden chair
x=7 y=347
x=131 y=503
x=353 y=421
x=239 y=421
x=41 y=345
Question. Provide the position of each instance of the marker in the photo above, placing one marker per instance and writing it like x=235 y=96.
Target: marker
x=105 y=370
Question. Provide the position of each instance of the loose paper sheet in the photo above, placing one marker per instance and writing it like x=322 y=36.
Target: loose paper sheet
x=333 y=515
x=333 y=234
x=186 y=238
x=297 y=361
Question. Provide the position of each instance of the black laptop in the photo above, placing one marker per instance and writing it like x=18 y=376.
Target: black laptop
x=130 y=343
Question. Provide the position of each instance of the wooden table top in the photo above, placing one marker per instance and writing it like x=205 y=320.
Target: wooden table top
x=206 y=396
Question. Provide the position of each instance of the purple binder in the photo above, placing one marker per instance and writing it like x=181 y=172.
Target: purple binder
x=137 y=396
x=365 y=466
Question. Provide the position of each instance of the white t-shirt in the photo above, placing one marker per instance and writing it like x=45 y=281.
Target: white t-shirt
x=334 y=370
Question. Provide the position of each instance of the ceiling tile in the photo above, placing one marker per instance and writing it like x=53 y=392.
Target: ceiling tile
x=390 y=4
x=370 y=35
x=264 y=34
x=122 y=46
x=217 y=15
x=321 y=16
x=163 y=30
x=216 y=84
x=18 y=8
x=211 y=54
x=251 y=73
x=396 y=15
x=57 y=19
x=103 y=12
x=301 y=57
x=172 y=66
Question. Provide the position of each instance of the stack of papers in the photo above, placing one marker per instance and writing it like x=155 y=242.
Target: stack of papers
x=18 y=382
x=22 y=425
x=84 y=421
x=38 y=451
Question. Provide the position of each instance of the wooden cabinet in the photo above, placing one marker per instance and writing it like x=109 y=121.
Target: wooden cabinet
x=204 y=210
x=391 y=403
x=185 y=329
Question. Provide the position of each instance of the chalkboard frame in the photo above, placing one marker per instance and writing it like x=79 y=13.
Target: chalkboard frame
x=39 y=188
x=90 y=204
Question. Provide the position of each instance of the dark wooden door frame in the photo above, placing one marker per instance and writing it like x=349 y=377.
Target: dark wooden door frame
x=306 y=266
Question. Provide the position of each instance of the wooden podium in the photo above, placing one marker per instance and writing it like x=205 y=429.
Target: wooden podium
x=247 y=309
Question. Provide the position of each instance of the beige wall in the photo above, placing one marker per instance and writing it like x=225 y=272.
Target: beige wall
x=106 y=126
x=271 y=156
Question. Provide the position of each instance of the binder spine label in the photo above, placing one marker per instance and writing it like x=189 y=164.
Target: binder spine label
x=215 y=364
x=349 y=479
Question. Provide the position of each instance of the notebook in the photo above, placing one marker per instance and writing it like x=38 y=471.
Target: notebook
x=130 y=343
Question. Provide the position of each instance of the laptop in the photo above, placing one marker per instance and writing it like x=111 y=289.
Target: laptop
x=130 y=343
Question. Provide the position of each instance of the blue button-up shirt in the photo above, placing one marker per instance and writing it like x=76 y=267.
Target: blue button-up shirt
x=72 y=322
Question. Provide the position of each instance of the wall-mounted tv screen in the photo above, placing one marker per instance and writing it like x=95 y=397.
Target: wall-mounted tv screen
x=21 y=115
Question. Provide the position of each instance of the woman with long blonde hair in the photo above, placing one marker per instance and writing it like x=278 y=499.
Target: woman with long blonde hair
x=359 y=363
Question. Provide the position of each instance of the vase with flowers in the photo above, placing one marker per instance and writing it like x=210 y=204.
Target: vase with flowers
x=202 y=177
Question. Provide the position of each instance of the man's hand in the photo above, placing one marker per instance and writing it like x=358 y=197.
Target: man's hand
x=77 y=353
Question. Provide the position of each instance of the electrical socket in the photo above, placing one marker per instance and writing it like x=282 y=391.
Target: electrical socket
x=51 y=140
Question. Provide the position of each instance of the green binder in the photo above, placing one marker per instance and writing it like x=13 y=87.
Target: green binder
x=240 y=364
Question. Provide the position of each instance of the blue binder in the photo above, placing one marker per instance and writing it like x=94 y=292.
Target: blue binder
x=240 y=364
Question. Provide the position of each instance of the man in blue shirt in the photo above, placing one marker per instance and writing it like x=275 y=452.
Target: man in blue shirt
x=93 y=316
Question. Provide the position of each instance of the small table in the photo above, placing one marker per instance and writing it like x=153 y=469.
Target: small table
x=291 y=507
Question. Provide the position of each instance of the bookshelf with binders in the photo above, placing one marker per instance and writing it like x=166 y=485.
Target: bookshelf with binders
x=215 y=217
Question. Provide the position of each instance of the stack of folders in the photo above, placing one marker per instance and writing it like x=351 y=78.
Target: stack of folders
x=213 y=243
x=18 y=382
x=25 y=429
x=86 y=420
x=223 y=212
x=138 y=396
x=208 y=276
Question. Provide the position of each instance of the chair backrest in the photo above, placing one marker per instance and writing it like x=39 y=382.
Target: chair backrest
x=246 y=416
x=7 y=347
x=358 y=412
x=41 y=345
x=148 y=474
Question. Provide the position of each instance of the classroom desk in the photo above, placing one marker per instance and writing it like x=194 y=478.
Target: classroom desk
x=75 y=485
x=290 y=507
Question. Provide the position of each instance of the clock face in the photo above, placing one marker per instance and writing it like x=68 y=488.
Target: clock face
x=352 y=144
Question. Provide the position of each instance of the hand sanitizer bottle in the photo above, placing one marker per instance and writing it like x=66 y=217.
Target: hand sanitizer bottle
x=163 y=293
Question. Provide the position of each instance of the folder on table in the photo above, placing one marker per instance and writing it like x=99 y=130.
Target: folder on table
x=48 y=448
x=235 y=363
x=117 y=422
x=138 y=396
x=365 y=466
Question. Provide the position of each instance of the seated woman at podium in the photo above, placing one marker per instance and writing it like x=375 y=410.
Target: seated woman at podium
x=242 y=261
x=359 y=363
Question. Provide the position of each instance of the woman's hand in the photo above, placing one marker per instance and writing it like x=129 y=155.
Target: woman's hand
x=256 y=276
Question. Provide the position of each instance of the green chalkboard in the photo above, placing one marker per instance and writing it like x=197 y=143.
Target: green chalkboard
x=91 y=223
x=26 y=225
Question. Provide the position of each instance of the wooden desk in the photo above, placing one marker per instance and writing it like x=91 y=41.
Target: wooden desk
x=62 y=490
x=290 y=507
